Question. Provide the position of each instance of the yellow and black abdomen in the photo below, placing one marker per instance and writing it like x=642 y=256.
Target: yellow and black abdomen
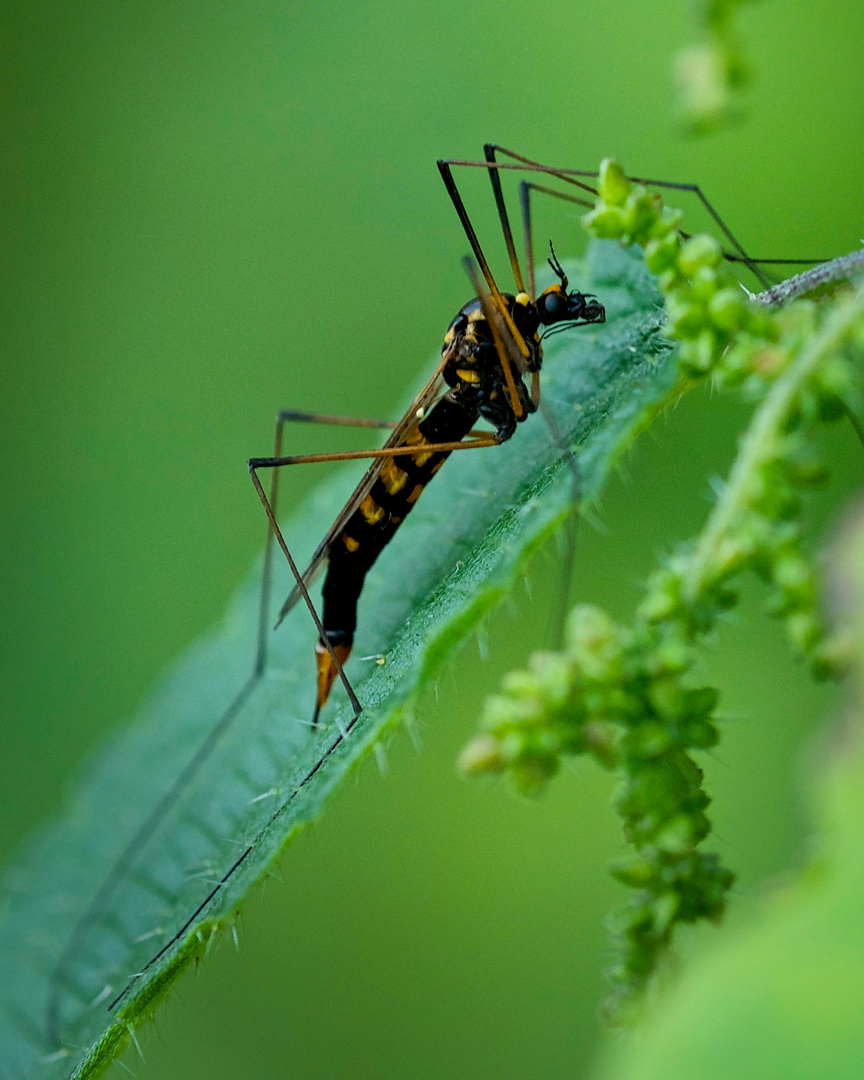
x=372 y=525
x=475 y=376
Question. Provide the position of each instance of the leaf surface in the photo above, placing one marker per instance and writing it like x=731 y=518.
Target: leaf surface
x=180 y=815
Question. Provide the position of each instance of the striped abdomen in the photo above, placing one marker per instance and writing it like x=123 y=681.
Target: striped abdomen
x=474 y=373
x=374 y=522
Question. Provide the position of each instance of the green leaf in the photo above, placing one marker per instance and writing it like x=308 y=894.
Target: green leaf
x=778 y=997
x=181 y=815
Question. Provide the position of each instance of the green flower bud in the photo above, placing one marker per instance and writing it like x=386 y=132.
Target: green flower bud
x=665 y=909
x=500 y=711
x=699 y=701
x=685 y=314
x=548 y=742
x=696 y=357
x=804 y=630
x=513 y=746
x=532 y=775
x=828 y=661
x=727 y=309
x=647 y=741
x=668 y=220
x=613 y=185
x=663 y=598
x=838 y=653
x=554 y=674
x=709 y=349
x=805 y=469
x=480 y=756
x=662 y=253
x=702 y=73
x=523 y=685
x=601 y=741
x=729 y=557
x=637 y=871
x=701 y=250
x=671 y=279
x=794 y=575
x=616 y=703
x=667 y=697
x=699 y=734
x=771 y=495
x=705 y=283
x=798 y=461
x=593 y=641
x=673 y=656
x=605 y=222
x=640 y=214
x=682 y=833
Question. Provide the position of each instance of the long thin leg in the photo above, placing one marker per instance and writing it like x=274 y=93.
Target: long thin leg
x=571 y=526
x=276 y=462
x=384 y=452
x=742 y=256
x=559 y=617
x=525 y=189
x=494 y=167
x=295 y=417
x=298 y=577
x=495 y=179
x=501 y=345
x=456 y=199
x=562 y=602
x=291 y=416
x=508 y=358
x=673 y=186
x=570 y=176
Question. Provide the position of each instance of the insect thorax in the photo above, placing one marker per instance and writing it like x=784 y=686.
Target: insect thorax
x=471 y=344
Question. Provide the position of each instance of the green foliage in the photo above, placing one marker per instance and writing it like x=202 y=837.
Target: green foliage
x=712 y=75
x=778 y=997
x=623 y=694
x=183 y=814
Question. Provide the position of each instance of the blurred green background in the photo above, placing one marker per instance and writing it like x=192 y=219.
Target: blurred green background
x=212 y=211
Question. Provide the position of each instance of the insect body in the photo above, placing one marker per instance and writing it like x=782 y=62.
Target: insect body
x=492 y=350
x=478 y=389
x=491 y=346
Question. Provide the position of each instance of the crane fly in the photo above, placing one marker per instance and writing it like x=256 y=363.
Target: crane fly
x=492 y=346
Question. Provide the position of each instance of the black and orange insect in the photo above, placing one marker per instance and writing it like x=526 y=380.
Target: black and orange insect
x=491 y=346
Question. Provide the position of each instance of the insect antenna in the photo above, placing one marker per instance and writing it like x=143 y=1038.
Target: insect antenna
x=557 y=269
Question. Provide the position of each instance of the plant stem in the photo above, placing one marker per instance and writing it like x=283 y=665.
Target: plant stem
x=763 y=431
x=841 y=269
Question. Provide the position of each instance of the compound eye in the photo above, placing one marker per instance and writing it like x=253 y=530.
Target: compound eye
x=552 y=306
x=576 y=303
